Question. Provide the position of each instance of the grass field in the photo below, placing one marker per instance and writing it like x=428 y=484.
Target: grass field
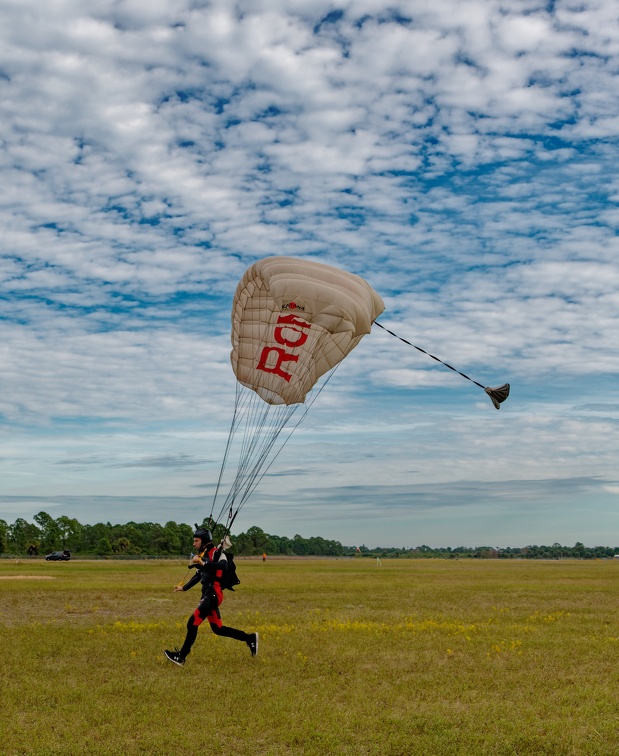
x=413 y=657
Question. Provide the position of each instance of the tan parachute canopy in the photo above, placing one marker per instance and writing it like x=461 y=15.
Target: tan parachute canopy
x=293 y=321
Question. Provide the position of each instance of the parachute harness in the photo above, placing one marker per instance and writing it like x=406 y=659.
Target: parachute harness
x=497 y=395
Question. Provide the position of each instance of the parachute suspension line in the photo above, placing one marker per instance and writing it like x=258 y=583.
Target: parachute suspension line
x=231 y=433
x=497 y=395
x=254 y=428
x=259 y=471
x=252 y=461
x=260 y=450
x=260 y=432
x=263 y=426
x=236 y=421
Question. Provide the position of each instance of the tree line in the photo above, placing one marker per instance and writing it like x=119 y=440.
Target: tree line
x=46 y=534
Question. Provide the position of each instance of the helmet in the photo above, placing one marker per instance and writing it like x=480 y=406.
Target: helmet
x=204 y=534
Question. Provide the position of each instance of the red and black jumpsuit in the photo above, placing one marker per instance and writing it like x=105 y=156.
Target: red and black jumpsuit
x=210 y=575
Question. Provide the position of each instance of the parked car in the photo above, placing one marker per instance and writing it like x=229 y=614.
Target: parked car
x=59 y=556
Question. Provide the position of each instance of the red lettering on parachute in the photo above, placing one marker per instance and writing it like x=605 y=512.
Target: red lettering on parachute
x=288 y=321
x=294 y=321
x=281 y=355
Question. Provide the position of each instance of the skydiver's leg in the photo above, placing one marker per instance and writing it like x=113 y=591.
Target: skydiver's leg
x=193 y=623
x=251 y=639
x=214 y=620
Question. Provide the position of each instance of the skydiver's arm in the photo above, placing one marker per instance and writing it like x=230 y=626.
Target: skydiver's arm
x=195 y=578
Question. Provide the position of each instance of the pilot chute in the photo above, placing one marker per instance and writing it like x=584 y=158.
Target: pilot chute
x=497 y=395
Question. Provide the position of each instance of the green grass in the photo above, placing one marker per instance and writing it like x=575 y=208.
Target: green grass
x=414 y=657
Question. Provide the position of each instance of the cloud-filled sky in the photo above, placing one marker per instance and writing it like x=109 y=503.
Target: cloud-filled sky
x=460 y=156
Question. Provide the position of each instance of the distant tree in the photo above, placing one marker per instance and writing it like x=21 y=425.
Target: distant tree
x=172 y=537
x=21 y=535
x=104 y=547
x=122 y=545
x=300 y=546
x=70 y=530
x=132 y=532
x=579 y=550
x=50 y=532
x=185 y=533
x=4 y=533
x=281 y=545
x=93 y=534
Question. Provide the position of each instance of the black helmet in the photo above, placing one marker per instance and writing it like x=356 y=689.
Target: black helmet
x=204 y=534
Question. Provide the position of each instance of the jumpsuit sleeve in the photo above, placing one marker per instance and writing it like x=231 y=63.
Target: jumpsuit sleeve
x=195 y=578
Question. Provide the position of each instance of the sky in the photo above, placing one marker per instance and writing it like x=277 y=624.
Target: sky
x=461 y=156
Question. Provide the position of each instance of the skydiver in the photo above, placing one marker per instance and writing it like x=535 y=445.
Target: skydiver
x=209 y=573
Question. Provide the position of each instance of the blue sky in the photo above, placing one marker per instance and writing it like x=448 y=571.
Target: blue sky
x=460 y=156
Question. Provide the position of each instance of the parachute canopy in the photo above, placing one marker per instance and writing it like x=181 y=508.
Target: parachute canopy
x=293 y=321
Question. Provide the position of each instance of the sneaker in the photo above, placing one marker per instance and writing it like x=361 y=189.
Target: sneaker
x=175 y=657
x=253 y=643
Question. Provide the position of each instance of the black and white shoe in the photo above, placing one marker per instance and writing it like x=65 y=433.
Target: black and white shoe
x=253 y=643
x=175 y=657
